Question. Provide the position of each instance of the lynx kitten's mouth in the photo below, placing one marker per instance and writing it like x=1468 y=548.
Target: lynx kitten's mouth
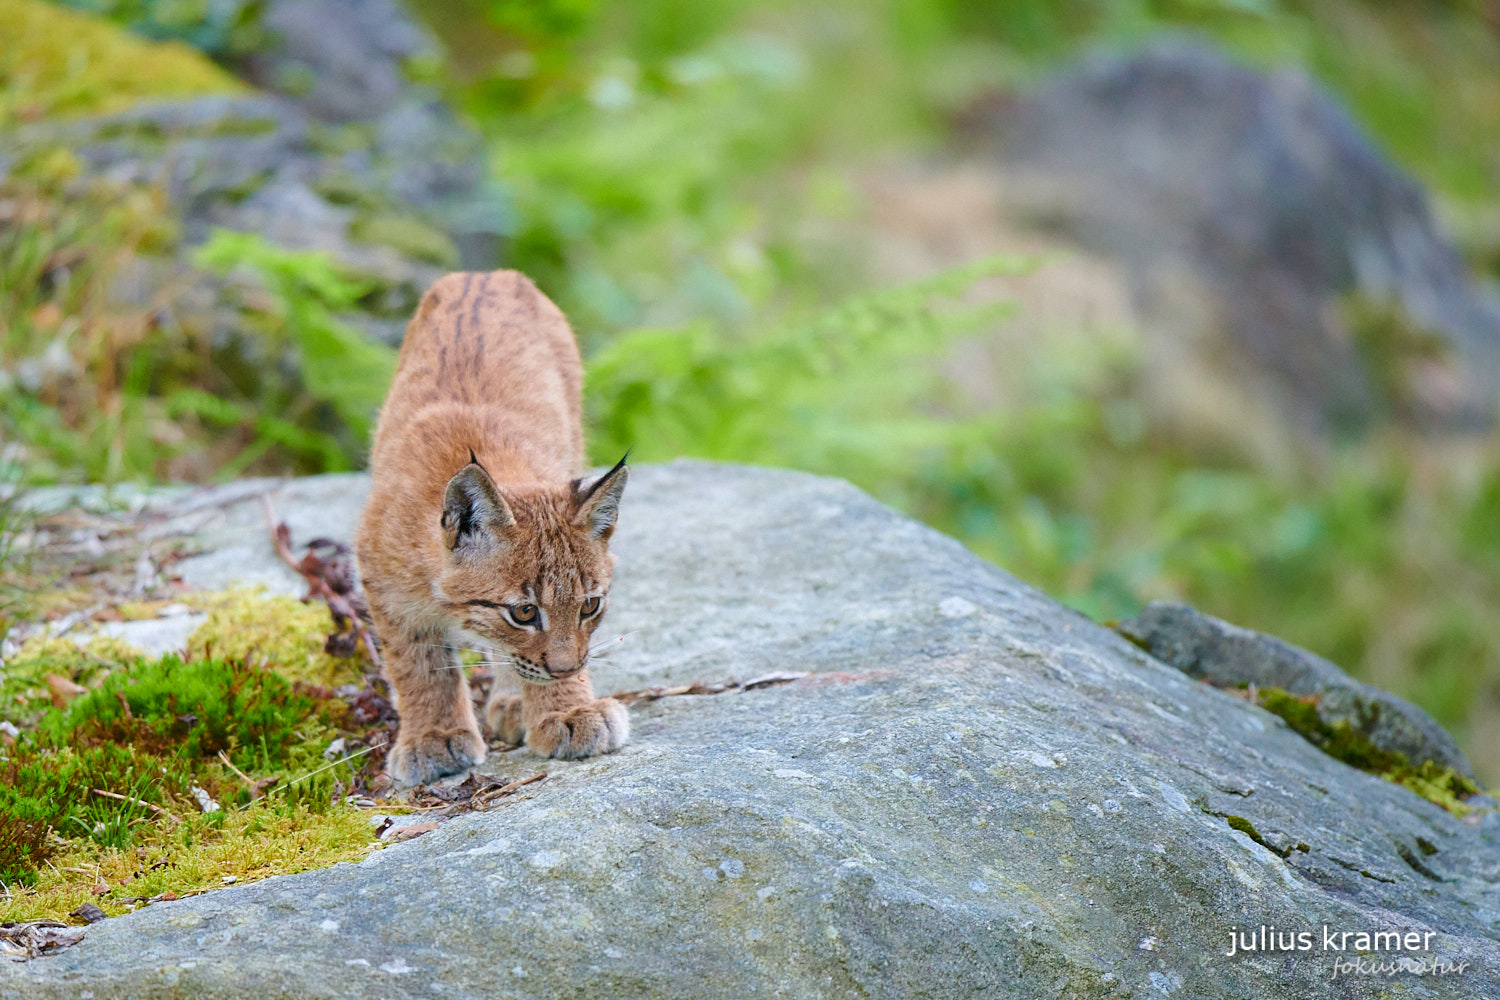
x=533 y=674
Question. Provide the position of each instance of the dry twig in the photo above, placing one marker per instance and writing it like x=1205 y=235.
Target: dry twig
x=485 y=797
x=706 y=687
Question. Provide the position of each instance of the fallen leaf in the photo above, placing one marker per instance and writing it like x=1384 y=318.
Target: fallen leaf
x=401 y=833
x=260 y=786
x=47 y=316
x=63 y=690
x=100 y=888
x=40 y=938
x=88 y=913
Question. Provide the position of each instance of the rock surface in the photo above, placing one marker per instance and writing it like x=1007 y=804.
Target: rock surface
x=1211 y=650
x=1268 y=241
x=975 y=793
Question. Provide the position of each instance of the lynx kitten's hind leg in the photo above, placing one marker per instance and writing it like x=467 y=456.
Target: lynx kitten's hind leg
x=502 y=713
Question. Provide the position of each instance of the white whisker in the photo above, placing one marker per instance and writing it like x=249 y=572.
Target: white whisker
x=616 y=641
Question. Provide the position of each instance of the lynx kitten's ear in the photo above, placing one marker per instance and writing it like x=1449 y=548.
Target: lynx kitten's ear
x=598 y=505
x=474 y=513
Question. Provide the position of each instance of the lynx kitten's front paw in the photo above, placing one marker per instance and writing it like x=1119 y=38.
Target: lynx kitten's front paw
x=601 y=726
x=432 y=755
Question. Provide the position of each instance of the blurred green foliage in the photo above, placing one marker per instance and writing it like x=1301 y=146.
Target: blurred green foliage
x=852 y=389
x=339 y=367
x=95 y=390
x=671 y=164
x=221 y=28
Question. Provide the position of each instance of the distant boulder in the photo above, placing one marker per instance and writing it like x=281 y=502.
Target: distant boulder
x=1227 y=656
x=1281 y=265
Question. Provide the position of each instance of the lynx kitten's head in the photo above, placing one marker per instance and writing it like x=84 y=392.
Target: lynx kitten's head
x=529 y=572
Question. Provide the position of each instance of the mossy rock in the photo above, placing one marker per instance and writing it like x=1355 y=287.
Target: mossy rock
x=251 y=623
x=57 y=62
x=1437 y=783
x=1003 y=802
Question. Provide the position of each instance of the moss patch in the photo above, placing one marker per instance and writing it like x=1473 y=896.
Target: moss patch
x=269 y=838
x=57 y=62
x=193 y=709
x=249 y=623
x=166 y=776
x=170 y=776
x=1434 y=782
x=24 y=694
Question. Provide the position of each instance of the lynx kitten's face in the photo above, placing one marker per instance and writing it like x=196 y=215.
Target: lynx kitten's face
x=529 y=573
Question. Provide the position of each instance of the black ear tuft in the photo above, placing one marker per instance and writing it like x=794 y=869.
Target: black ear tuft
x=474 y=513
x=598 y=506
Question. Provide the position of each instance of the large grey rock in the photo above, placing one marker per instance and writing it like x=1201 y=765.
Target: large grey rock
x=975 y=793
x=1211 y=650
x=1271 y=246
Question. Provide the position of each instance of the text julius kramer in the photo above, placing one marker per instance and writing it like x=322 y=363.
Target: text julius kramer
x=1265 y=938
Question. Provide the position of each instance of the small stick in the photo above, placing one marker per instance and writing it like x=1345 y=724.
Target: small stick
x=241 y=774
x=487 y=797
x=126 y=798
x=702 y=687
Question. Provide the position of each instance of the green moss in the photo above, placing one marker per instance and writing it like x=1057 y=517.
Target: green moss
x=1394 y=346
x=249 y=623
x=122 y=767
x=196 y=708
x=57 y=62
x=346 y=189
x=267 y=838
x=1243 y=825
x=23 y=839
x=51 y=788
x=1435 y=782
x=24 y=695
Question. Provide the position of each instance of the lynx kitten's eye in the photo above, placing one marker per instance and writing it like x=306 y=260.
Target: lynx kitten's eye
x=523 y=614
x=590 y=607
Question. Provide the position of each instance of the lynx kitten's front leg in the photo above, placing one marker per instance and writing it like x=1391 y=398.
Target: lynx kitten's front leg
x=439 y=734
x=562 y=719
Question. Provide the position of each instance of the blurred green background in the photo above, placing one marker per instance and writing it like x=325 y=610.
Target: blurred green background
x=703 y=186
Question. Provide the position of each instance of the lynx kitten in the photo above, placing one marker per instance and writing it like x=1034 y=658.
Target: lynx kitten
x=477 y=531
